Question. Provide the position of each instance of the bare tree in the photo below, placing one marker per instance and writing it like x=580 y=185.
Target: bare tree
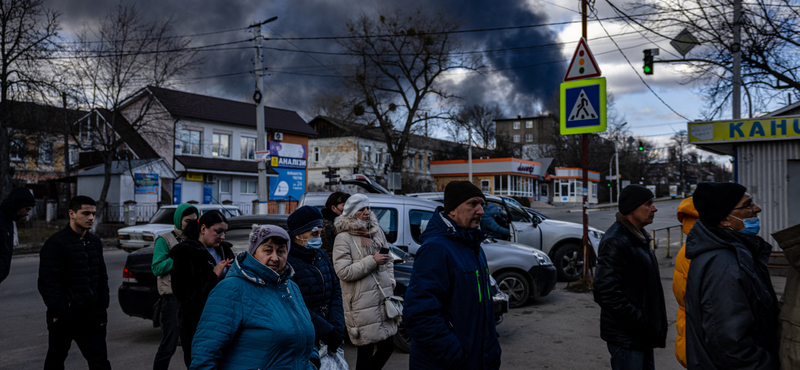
x=770 y=46
x=27 y=35
x=398 y=59
x=114 y=61
x=481 y=118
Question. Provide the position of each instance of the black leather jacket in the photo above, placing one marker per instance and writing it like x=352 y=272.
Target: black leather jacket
x=627 y=286
x=731 y=308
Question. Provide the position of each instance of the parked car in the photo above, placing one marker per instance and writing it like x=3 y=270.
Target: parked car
x=561 y=240
x=521 y=271
x=138 y=293
x=132 y=238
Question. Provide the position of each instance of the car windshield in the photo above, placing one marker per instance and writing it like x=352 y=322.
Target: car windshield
x=239 y=239
x=229 y=211
x=164 y=216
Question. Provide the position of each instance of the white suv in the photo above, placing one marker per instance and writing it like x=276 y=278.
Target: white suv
x=140 y=236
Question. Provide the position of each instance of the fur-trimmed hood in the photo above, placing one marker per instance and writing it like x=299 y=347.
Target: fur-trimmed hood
x=351 y=224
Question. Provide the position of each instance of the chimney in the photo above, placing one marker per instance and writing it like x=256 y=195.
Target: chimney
x=519 y=117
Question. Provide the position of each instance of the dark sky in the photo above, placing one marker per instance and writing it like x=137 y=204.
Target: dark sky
x=517 y=89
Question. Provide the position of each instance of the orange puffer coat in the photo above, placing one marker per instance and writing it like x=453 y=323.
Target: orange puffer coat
x=687 y=215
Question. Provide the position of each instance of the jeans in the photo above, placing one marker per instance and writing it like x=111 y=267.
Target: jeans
x=88 y=331
x=169 y=332
x=187 y=334
x=367 y=360
x=631 y=359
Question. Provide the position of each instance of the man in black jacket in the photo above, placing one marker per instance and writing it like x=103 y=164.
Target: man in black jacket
x=74 y=285
x=731 y=308
x=14 y=208
x=627 y=286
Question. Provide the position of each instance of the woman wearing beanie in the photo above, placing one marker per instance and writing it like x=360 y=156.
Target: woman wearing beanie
x=255 y=318
x=366 y=276
x=333 y=208
x=198 y=264
x=313 y=273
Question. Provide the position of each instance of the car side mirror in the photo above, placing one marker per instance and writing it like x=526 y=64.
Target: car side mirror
x=536 y=221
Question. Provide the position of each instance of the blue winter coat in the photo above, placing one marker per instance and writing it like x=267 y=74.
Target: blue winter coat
x=489 y=224
x=254 y=319
x=448 y=306
x=313 y=273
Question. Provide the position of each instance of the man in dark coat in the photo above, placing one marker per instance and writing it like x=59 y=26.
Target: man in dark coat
x=14 y=208
x=449 y=311
x=731 y=308
x=627 y=285
x=74 y=285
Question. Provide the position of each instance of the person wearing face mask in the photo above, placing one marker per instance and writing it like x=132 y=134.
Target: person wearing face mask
x=198 y=264
x=731 y=307
x=314 y=274
x=333 y=208
x=255 y=318
x=367 y=276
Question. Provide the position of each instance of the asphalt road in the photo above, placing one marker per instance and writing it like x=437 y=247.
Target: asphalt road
x=560 y=331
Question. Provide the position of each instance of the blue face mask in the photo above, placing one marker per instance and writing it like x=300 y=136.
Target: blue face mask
x=751 y=225
x=314 y=243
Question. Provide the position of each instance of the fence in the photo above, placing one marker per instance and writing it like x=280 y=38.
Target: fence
x=654 y=242
x=115 y=212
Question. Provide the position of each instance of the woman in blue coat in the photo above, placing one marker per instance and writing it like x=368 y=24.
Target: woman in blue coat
x=255 y=318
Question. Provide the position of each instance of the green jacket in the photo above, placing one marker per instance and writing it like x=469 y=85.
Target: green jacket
x=162 y=264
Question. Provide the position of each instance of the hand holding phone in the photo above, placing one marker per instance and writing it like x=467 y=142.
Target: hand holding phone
x=384 y=250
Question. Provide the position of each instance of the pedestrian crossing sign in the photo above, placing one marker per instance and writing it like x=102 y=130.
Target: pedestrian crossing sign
x=583 y=106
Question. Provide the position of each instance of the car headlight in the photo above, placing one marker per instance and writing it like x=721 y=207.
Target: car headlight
x=597 y=234
x=147 y=237
x=124 y=237
x=542 y=258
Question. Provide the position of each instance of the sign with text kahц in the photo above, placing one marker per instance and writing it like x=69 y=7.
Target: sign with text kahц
x=583 y=106
x=770 y=128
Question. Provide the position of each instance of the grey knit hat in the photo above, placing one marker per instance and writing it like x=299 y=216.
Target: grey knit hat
x=261 y=233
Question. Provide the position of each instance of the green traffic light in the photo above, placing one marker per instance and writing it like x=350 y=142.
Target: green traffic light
x=648 y=70
x=641 y=148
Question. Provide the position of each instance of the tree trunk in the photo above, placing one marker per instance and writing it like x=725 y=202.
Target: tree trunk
x=6 y=177
x=101 y=202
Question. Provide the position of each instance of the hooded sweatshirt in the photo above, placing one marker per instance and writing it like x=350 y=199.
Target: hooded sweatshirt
x=18 y=198
x=162 y=264
x=687 y=215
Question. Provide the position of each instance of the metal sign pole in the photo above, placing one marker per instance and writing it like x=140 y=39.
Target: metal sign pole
x=585 y=155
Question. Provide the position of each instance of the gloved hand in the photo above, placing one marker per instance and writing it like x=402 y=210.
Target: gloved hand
x=333 y=340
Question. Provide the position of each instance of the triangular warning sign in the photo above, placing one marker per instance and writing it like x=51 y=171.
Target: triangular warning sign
x=582 y=109
x=583 y=64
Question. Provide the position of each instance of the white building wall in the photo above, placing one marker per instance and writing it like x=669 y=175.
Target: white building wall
x=236 y=133
x=763 y=169
x=92 y=186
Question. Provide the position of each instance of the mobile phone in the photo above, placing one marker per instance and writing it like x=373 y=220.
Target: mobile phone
x=384 y=250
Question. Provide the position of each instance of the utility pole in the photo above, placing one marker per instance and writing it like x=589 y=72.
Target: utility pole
x=736 y=48
x=261 y=140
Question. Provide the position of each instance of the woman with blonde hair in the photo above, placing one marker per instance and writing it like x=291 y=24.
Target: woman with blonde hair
x=367 y=276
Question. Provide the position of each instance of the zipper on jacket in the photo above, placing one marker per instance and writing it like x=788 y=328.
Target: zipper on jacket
x=478 y=276
x=322 y=277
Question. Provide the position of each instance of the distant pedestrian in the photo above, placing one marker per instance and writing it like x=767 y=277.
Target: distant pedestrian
x=315 y=276
x=367 y=276
x=731 y=307
x=490 y=225
x=627 y=285
x=687 y=215
x=161 y=266
x=789 y=240
x=14 y=208
x=73 y=282
x=255 y=318
x=449 y=311
x=333 y=208
x=198 y=264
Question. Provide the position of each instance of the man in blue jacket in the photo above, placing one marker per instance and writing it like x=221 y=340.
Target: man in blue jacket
x=448 y=307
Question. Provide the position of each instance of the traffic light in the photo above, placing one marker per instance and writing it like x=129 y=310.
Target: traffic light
x=609 y=184
x=332 y=175
x=641 y=146
x=648 y=60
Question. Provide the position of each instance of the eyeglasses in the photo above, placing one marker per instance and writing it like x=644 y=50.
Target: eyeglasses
x=749 y=205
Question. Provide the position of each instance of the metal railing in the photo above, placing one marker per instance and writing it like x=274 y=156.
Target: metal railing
x=654 y=241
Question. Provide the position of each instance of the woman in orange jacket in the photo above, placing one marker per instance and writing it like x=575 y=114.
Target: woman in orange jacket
x=687 y=215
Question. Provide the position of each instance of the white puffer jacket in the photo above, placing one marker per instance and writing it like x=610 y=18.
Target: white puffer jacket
x=364 y=311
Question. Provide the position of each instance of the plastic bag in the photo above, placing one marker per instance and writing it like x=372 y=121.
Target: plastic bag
x=332 y=362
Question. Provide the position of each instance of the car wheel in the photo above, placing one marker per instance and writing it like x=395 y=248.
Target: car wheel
x=569 y=262
x=515 y=286
x=402 y=340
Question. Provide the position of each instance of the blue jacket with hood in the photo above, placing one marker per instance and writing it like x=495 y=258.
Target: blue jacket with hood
x=448 y=305
x=254 y=319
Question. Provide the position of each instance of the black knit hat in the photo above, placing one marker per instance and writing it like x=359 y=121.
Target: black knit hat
x=633 y=196
x=715 y=200
x=304 y=219
x=458 y=192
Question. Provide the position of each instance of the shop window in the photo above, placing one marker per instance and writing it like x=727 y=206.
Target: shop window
x=485 y=186
x=225 y=186
x=594 y=190
x=221 y=145
x=572 y=184
x=248 y=147
x=544 y=190
x=565 y=189
x=191 y=142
